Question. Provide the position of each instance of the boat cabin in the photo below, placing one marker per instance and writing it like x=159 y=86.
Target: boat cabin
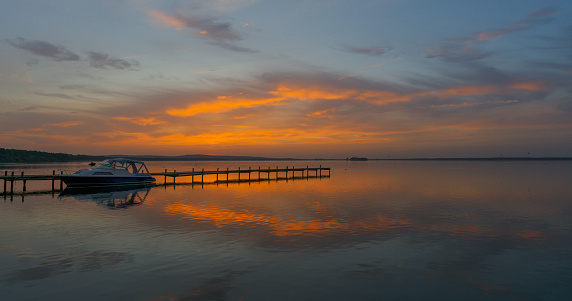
x=132 y=166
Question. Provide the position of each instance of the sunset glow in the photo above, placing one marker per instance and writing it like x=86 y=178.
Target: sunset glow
x=263 y=79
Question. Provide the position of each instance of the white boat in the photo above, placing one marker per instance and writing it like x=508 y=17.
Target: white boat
x=117 y=171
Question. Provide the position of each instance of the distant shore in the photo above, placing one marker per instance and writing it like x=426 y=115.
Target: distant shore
x=478 y=159
x=8 y=156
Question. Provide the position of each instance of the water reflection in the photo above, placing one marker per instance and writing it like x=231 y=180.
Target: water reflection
x=453 y=231
x=113 y=197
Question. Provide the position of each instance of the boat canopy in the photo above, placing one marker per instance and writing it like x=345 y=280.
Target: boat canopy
x=133 y=166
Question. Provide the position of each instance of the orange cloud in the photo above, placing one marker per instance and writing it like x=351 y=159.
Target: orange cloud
x=529 y=86
x=141 y=121
x=475 y=103
x=221 y=105
x=492 y=89
x=329 y=92
x=471 y=90
x=160 y=18
x=321 y=114
x=304 y=93
x=245 y=136
x=490 y=35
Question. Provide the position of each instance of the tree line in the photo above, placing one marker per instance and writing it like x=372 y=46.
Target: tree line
x=27 y=156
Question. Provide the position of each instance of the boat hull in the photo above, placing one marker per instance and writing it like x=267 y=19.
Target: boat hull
x=91 y=181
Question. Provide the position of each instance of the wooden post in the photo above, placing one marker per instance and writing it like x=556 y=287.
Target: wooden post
x=203 y=176
x=12 y=184
x=286 y=172
x=165 y=181
x=217 y=174
x=53 y=179
x=227 y=175
x=5 y=174
x=61 y=182
x=193 y=176
x=249 y=171
x=24 y=183
x=320 y=171
x=239 y=173
x=258 y=172
x=175 y=175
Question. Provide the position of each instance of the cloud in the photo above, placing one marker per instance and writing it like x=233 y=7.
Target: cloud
x=311 y=108
x=537 y=17
x=160 y=18
x=465 y=48
x=65 y=124
x=41 y=48
x=210 y=28
x=104 y=61
x=59 y=53
x=367 y=50
x=204 y=27
x=57 y=95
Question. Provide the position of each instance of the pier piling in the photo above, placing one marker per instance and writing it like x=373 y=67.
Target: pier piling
x=12 y=184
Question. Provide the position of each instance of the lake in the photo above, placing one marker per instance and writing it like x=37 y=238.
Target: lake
x=374 y=230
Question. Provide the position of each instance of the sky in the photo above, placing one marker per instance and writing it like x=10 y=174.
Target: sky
x=300 y=78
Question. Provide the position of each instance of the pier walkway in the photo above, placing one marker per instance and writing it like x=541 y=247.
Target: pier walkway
x=261 y=174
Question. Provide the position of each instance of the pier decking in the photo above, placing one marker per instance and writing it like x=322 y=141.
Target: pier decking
x=296 y=172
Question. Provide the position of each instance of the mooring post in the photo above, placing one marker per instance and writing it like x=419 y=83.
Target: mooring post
x=320 y=171
x=286 y=172
x=203 y=176
x=175 y=175
x=12 y=183
x=193 y=176
x=217 y=174
x=249 y=171
x=165 y=181
x=24 y=182
x=239 y=173
x=227 y=175
x=5 y=175
x=307 y=171
x=61 y=182
x=258 y=172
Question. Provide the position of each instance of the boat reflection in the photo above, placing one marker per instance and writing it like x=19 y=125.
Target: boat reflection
x=116 y=197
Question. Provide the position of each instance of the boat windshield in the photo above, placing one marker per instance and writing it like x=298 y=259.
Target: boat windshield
x=132 y=167
x=107 y=164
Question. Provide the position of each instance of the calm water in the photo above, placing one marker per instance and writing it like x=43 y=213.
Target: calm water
x=372 y=231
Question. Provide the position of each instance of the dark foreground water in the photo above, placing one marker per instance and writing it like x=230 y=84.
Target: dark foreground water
x=372 y=231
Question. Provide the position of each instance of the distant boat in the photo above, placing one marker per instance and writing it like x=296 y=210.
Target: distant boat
x=358 y=159
x=119 y=171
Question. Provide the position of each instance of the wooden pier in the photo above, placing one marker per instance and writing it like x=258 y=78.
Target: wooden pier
x=261 y=174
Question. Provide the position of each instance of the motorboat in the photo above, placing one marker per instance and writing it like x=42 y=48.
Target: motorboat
x=116 y=171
